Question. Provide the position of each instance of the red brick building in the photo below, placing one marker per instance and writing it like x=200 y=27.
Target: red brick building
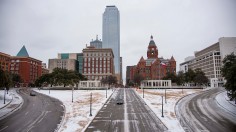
x=5 y=61
x=28 y=68
x=154 y=67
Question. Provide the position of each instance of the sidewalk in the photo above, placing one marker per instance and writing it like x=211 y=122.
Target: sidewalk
x=223 y=100
x=13 y=102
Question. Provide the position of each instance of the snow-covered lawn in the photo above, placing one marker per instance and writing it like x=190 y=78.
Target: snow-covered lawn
x=77 y=113
x=153 y=98
x=8 y=98
x=12 y=103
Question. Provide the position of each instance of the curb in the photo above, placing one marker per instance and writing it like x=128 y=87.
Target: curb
x=7 y=103
x=223 y=106
x=85 y=128
x=16 y=108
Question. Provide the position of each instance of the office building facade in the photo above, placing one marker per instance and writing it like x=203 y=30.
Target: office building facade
x=96 y=43
x=5 y=61
x=69 y=64
x=209 y=60
x=111 y=34
x=98 y=63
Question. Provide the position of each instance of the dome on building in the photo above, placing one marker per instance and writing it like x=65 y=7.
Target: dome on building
x=152 y=43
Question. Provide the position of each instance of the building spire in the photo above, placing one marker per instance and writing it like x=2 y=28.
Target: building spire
x=97 y=37
x=151 y=37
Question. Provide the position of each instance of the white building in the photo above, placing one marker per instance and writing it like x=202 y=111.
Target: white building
x=69 y=64
x=209 y=60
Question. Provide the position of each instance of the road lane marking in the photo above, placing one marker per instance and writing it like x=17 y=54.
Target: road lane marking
x=4 y=128
x=26 y=113
x=126 y=121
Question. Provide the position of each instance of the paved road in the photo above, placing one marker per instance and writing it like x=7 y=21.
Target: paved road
x=38 y=114
x=200 y=112
x=133 y=115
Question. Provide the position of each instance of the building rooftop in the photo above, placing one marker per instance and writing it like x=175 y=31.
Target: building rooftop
x=23 y=52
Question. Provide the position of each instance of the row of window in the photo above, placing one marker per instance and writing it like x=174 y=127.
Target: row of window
x=97 y=54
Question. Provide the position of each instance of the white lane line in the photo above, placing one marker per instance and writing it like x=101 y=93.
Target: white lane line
x=26 y=113
x=126 y=121
x=4 y=128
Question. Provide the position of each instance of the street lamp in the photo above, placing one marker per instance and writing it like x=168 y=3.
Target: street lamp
x=165 y=95
x=106 y=92
x=143 y=92
x=72 y=93
x=4 y=95
x=90 y=104
x=162 y=107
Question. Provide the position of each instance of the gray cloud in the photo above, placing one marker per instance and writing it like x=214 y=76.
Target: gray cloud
x=179 y=27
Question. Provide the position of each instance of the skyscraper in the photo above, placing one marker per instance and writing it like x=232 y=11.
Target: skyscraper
x=111 y=34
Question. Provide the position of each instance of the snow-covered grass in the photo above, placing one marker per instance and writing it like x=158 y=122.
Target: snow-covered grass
x=12 y=102
x=8 y=98
x=77 y=112
x=153 y=98
x=223 y=101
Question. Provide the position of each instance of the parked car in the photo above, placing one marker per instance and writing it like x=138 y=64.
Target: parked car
x=32 y=93
x=119 y=101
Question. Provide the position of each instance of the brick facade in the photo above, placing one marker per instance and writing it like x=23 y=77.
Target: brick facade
x=28 y=68
x=153 y=68
x=5 y=61
x=98 y=63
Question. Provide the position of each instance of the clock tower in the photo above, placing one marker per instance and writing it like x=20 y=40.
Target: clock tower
x=152 y=51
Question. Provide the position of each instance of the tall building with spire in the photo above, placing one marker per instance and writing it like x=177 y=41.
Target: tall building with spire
x=111 y=35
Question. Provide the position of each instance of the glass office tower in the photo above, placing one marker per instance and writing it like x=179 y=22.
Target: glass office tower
x=111 y=33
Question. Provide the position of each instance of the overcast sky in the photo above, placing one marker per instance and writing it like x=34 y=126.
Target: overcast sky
x=179 y=27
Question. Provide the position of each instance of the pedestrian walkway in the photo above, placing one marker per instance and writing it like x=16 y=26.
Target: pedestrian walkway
x=223 y=101
x=12 y=103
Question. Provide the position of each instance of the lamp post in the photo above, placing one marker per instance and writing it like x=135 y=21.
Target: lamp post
x=72 y=93
x=4 y=95
x=143 y=92
x=162 y=107
x=90 y=104
x=165 y=95
x=106 y=92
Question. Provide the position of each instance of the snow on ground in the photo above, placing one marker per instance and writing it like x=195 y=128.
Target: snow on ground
x=153 y=98
x=223 y=101
x=13 y=101
x=8 y=98
x=77 y=113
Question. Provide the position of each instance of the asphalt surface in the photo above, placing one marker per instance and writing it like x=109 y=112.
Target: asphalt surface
x=38 y=113
x=132 y=116
x=200 y=112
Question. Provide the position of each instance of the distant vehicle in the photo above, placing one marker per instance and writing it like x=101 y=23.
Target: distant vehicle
x=119 y=101
x=32 y=93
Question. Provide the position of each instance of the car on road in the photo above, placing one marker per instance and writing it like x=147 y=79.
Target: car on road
x=119 y=101
x=32 y=93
